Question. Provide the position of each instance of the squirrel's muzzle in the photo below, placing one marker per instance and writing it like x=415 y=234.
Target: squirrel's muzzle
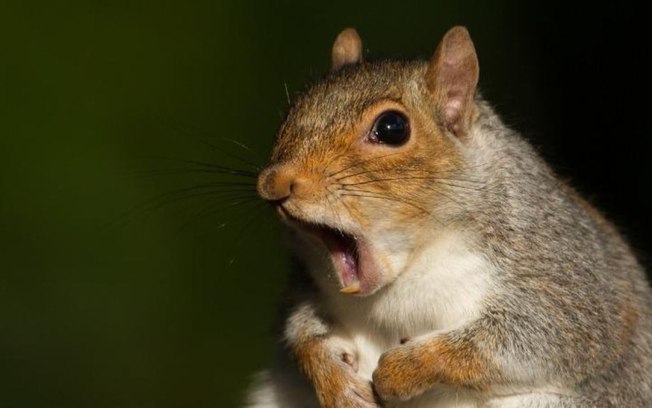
x=277 y=184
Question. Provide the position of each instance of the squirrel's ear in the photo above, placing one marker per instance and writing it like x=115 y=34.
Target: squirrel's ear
x=452 y=77
x=347 y=49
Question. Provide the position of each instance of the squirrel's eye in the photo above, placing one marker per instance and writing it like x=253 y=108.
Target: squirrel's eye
x=391 y=128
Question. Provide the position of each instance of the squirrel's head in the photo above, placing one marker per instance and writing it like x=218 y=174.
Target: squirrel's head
x=365 y=161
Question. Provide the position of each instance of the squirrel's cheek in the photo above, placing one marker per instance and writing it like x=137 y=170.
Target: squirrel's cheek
x=377 y=268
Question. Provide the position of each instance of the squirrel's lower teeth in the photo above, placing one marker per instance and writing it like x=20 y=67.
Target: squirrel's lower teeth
x=352 y=288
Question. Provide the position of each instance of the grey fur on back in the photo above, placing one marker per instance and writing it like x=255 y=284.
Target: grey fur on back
x=570 y=283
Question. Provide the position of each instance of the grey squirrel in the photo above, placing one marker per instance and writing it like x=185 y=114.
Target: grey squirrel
x=445 y=263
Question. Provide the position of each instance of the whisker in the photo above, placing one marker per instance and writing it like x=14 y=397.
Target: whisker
x=240 y=204
x=447 y=196
x=205 y=165
x=213 y=188
x=257 y=213
x=405 y=171
x=332 y=159
x=189 y=170
x=445 y=181
x=205 y=142
x=332 y=208
x=239 y=144
x=233 y=185
x=255 y=165
x=287 y=93
x=226 y=195
x=221 y=204
x=176 y=171
x=363 y=194
x=358 y=164
x=432 y=188
x=450 y=175
x=170 y=198
x=347 y=208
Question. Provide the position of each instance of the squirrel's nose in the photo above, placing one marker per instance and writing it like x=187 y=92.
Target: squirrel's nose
x=275 y=184
x=278 y=183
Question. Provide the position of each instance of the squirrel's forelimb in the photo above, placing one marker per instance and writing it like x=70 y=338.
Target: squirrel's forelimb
x=416 y=366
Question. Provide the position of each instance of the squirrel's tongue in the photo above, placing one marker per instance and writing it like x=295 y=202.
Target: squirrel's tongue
x=347 y=266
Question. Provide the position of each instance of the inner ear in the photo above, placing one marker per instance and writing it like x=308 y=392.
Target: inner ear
x=347 y=49
x=452 y=79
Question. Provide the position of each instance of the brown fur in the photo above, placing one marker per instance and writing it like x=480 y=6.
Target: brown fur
x=407 y=371
x=328 y=375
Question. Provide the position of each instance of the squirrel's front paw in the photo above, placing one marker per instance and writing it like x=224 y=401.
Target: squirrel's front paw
x=338 y=384
x=399 y=375
x=354 y=391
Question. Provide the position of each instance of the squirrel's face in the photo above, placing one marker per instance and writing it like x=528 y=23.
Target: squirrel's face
x=363 y=164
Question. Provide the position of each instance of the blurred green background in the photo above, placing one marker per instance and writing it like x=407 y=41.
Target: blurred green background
x=108 y=299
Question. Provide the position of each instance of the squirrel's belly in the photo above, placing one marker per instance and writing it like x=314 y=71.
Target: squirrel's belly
x=368 y=352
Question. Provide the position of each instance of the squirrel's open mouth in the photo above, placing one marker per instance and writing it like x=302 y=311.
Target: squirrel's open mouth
x=346 y=252
x=343 y=249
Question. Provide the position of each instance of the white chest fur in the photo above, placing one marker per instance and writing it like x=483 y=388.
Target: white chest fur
x=441 y=288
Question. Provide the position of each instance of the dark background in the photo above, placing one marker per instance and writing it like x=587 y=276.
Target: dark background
x=108 y=299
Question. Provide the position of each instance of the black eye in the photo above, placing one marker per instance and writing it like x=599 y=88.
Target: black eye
x=391 y=128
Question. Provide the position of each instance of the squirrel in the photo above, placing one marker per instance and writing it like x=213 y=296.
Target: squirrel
x=443 y=263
